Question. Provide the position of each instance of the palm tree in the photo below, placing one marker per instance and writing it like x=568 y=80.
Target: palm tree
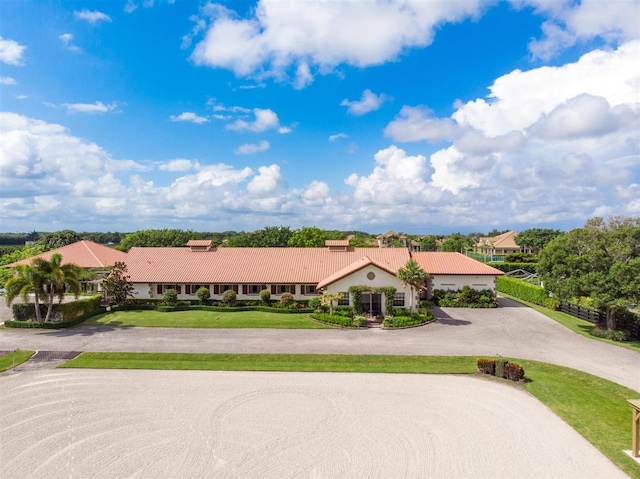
x=46 y=280
x=58 y=278
x=412 y=275
x=26 y=280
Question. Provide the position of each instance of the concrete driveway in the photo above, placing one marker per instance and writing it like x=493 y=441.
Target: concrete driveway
x=511 y=331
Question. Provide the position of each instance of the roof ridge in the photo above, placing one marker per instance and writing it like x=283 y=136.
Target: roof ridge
x=84 y=243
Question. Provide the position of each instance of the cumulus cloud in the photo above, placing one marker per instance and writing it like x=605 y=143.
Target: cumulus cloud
x=92 y=16
x=180 y=164
x=418 y=123
x=93 y=108
x=190 y=117
x=67 y=42
x=298 y=39
x=265 y=119
x=11 y=52
x=8 y=81
x=266 y=182
x=250 y=148
x=571 y=22
x=369 y=101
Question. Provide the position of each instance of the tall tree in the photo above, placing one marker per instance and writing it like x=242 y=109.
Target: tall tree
x=536 y=238
x=600 y=261
x=158 y=238
x=429 y=243
x=414 y=276
x=456 y=243
x=26 y=280
x=117 y=285
x=307 y=237
x=58 y=239
x=57 y=278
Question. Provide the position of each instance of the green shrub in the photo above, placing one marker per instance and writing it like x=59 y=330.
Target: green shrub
x=467 y=297
x=265 y=297
x=424 y=304
x=500 y=365
x=508 y=267
x=345 y=321
x=203 y=294
x=406 y=321
x=486 y=365
x=59 y=325
x=513 y=372
x=610 y=334
x=521 y=258
x=359 y=321
x=286 y=299
x=526 y=291
x=316 y=304
x=229 y=298
x=170 y=297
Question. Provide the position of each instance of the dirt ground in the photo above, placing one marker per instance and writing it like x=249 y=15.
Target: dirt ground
x=191 y=424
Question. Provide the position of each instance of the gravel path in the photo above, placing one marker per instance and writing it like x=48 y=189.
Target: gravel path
x=187 y=424
x=512 y=331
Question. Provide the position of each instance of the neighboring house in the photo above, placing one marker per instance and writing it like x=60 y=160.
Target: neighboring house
x=88 y=255
x=302 y=272
x=391 y=239
x=500 y=245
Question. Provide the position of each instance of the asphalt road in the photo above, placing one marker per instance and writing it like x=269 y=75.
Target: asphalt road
x=511 y=331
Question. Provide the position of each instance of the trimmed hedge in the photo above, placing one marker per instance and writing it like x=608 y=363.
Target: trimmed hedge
x=27 y=311
x=527 y=291
x=619 y=336
x=500 y=368
x=59 y=325
x=406 y=321
x=264 y=309
x=466 y=297
x=344 y=321
x=487 y=366
x=508 y=267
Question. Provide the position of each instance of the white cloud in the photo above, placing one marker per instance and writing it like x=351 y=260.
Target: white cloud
x=317 y=193
x=265 y=119
x=338 y=136
x=571 y=22
x=180 y=164
x=418 y=123
x=369 y=101
x=132 y=5
x=11 y=52
x=92 y=16
x=519 y=99
x=266 y=182
x=190 y=117
x=300 y=37
x=250 y=148
x=8 y=81
x=93 y=108
x=67 y=42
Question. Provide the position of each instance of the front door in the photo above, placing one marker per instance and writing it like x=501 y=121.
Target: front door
x=371 y=303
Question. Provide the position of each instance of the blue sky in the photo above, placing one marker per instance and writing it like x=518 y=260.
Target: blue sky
x=418 y=116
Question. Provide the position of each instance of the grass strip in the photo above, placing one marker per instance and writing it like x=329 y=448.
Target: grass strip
x=16 y=357
x=595 y=407
x=576 y=325
x=204 y=319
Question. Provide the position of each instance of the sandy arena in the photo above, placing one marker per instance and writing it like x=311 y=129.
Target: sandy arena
x=197 y=424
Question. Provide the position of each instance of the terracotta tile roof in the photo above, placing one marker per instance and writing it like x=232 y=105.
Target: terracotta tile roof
x=452 y=263
x=336 y=242
x=199 y=243
x=505 y=240
x=251 y=265
x=352 y=268
x=85 y=254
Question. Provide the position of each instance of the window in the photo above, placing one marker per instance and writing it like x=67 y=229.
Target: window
x=398 y=300
x=310 y=289
x=225 y=287
x=163 y=287
x=254 y=289
x=345 y=299
x=283 y=288
x=191 y=289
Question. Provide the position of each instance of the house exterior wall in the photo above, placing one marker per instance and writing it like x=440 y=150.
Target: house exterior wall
x=150 y=291
x=360 y=278
x=458 y=281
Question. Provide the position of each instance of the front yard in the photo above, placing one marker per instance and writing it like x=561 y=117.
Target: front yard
x=204 y=319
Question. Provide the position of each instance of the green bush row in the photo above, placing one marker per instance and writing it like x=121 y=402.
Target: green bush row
x=59 y=325
x=521 y=258
x=610 y=334
x=508 y=267
x=69 y=310
x=264 y=309
x=345 y=321
x=501 y=368
x=405 y=321
x=526 y=291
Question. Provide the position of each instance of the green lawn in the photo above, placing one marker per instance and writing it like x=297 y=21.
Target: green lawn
x=593 y=406
x=577 y=325
x=14 y=358
x=205 y=319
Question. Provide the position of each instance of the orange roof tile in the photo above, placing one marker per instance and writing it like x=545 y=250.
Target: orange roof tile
x=251 y=265
x=452 y=263
x=199 y=243
x=85 y=254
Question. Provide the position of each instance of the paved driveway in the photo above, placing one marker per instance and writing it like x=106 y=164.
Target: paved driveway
x=511 y=331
